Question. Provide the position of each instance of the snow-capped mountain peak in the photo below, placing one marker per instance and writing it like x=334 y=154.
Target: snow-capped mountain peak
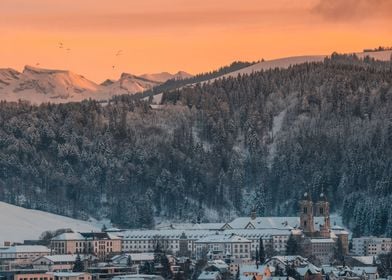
x=165 y=76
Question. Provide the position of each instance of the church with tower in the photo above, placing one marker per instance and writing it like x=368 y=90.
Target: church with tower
x=320 y=240
x=309 y=210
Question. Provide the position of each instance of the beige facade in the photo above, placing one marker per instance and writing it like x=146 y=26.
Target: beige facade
x=102 y=245
x=54 y=276
x=72 y=276
x=320 y=248
x=34 y=276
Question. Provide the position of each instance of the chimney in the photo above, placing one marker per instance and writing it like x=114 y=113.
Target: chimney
x=253 y=214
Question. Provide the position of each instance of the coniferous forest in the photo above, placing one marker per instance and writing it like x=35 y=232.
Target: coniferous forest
x=215 y=150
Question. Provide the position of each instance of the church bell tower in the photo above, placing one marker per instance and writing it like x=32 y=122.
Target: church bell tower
x=306 y=217
x=322 y=210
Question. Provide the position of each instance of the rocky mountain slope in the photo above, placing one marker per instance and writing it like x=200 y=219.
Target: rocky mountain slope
x=59 y=86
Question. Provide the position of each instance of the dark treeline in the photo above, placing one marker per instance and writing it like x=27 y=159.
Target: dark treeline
x=216 y=150
x=177 y=83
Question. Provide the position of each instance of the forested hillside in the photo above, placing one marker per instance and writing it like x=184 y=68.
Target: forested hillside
x=214 y=151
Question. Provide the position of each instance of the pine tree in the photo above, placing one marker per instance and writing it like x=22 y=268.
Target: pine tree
x=147 y=268
x=292 y=247
x=260 y=201
x=261 y=251
x=166 y=272
x=78 y=265
x=129 y=261
x=158 y=253
x=339 y=253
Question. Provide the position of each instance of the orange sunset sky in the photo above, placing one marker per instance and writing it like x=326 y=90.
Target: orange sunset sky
x=190 y=35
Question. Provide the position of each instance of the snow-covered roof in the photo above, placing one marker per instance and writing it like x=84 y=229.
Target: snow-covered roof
x=222 y=238
x=208 y=275
x=221 y=265
x=284 y=259
x=135 y=257
x=310 y=267
x=366 y=269
x=68 y=274
x=63 y=258
x=257 y=233
x=252 y=268
x=191 y=226
x=321 y=240
x=280 y=278
x=138 y=277
x=68 y=236
x=59 y=258
x=26 y=249
x=368 y=260
x=85 y=235
x=328 y=269
x=112 y=236
x=271 y=222
x=198 y=234
x=338 y=230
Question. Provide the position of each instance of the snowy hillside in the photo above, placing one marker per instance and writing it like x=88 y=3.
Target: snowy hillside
x=289 y=61
x=18 y=224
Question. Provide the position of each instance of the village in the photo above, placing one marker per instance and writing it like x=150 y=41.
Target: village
x=306 y=247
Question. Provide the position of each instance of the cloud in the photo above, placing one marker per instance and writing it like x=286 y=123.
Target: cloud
x=348 y=10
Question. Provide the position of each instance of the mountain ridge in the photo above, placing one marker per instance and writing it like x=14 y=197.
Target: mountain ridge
x=40 y=85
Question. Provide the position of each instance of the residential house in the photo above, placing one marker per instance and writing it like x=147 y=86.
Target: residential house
x=58 y=263
x=22 y=254
x=368 y=272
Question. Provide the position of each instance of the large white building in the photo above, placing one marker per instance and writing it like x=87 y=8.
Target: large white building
x=183 y=242
x=371 y=246
x=221 y=246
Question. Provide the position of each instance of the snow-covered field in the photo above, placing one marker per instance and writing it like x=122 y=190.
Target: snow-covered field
x=18 y=224
x=293 y=60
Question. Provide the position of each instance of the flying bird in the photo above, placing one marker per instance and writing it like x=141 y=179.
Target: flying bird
x=119 y=52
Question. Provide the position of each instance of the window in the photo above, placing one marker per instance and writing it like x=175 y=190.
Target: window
x=305 y=210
